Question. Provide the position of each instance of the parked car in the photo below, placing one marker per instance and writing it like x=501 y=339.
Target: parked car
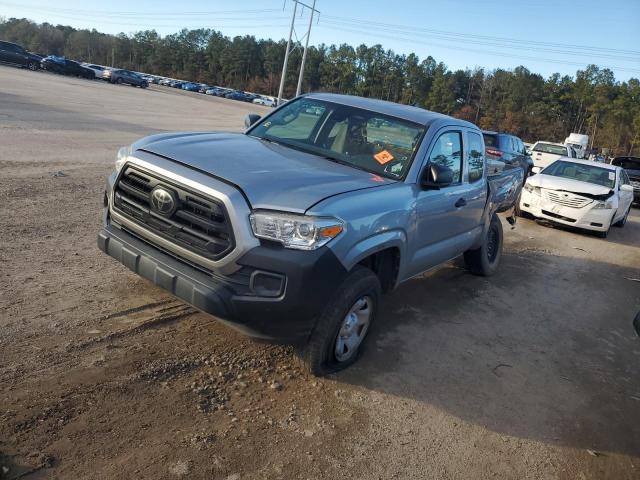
x=631 y=165
x=267 y=102
x=203 y=88
x=64 y=66
x=190 y=87
x=545 y=153
x=98 y=70
x=221 y=92
x=238 y=95
x=217 y=91
x=504 y=150
x=165 y=82
x=128 y=77
x=580 y=194
x=292 y=230
x=14 y=54
x=177 y=83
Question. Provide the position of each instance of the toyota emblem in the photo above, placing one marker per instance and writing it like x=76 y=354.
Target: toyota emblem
x=163 y=201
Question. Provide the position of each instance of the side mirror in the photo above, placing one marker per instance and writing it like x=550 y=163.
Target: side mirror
x=436 y=176
x=626 y=188
x=250 y=119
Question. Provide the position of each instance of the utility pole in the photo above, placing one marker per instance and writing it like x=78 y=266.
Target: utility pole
x=306 y=45
x=289 y=49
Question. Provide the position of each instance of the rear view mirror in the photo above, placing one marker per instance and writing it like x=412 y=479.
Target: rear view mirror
x=436 y=176
x=250 y=119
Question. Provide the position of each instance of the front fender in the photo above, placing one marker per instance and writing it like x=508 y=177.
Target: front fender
x=380 y=241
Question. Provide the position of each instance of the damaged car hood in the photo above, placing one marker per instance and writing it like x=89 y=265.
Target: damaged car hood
x=271 y=176
x=550 y=182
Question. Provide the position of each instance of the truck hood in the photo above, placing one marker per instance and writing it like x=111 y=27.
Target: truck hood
x=568 y=185
x=270 y=175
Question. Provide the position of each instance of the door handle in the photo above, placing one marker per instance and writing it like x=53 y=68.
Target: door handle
x=460 y=203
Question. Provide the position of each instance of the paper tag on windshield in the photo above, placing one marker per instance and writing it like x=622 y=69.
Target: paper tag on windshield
x=612 y=175
x=383 y=157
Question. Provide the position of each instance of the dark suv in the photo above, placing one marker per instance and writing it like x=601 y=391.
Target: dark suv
x=504 y=151
x=14 y=54
x=631 y=166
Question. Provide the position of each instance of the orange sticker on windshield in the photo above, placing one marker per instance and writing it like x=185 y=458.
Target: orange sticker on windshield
x=383 y=157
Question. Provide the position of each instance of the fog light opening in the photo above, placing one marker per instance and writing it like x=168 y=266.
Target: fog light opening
x=265 y=284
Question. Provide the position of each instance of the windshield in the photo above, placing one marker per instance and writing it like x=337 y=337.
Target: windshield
x=352 y=136
x=550 y=148
x=583 y=173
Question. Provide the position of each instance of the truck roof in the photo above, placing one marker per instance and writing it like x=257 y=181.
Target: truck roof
x=406 y=112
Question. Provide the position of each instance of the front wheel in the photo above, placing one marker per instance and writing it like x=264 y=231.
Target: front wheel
x=343 y=326
x=119 y=81
x=485 y=260
x=623 y=221
x=33 y=66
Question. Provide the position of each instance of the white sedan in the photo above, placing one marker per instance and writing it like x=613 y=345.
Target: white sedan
x=266 y=101
x=579 y=193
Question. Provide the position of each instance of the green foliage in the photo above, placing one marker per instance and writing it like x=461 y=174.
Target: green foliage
x=518 y=101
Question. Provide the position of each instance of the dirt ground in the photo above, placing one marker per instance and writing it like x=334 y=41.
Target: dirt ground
x=531 y=374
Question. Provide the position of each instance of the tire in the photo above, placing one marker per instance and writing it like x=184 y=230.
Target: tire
x=516 y=209
x=351 y=312
x=604 y=234
x=119 y=81
x=33 y=66
x=485 y=260
x=623 y=221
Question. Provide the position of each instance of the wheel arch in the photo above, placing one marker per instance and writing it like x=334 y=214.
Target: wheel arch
x=382 y=253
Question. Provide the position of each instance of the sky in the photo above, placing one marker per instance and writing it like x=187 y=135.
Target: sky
x=546 y=36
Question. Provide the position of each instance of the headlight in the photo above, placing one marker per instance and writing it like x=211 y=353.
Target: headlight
x=300 y=232
x=600 y=205
x=531 y=189
x=122 y=156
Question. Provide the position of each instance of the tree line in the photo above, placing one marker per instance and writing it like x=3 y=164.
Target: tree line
x=516 y=101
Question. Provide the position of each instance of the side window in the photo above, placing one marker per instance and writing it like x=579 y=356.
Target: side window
x=625 y=178
x=447 y=151
x=476 y=157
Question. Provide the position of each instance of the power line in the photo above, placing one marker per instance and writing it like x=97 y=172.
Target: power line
x=401 y=28
x=486 y=52
x=103 y=13
x=485 y=43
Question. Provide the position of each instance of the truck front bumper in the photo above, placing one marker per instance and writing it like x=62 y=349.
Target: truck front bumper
x=282 y=293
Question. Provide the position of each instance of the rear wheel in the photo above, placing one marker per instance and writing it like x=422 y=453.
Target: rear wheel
x=485 y=260
x=33 y=66
x=343 y=326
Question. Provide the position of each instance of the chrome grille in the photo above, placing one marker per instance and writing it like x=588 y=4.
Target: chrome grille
x=567 y=199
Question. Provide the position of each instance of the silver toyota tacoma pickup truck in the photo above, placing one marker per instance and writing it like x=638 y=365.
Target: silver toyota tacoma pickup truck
x=291 y=230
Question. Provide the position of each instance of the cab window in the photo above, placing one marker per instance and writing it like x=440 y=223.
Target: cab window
x=475 y=158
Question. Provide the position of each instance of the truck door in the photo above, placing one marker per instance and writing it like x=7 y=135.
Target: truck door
x=448 y=220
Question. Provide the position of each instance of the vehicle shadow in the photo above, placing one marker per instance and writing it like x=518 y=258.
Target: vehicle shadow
x=629 y=235
x=544 y=350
